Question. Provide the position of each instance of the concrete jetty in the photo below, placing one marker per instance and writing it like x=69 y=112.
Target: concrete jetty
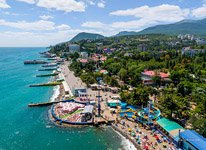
x=43 y=104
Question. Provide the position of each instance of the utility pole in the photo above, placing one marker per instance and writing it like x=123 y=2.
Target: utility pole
x=99 y=97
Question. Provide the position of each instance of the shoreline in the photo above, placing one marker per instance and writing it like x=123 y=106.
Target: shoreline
x=58 y=94
x=133 y=144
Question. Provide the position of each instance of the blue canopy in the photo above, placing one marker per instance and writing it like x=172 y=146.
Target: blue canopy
x=194 y=138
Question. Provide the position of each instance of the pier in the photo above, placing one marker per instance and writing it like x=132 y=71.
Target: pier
x=26 y=62
x=46 y=84
x=41 y=104
x=48 y=69
x=47 y=75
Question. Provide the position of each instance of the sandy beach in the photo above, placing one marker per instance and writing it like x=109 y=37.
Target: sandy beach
x=73 y=81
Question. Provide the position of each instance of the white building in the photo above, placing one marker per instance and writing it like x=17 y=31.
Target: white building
x=84 y=54
x=201 y=41
x=74 y=48
x=191 y=52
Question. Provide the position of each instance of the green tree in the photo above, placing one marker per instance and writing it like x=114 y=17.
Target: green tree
x=122 y=74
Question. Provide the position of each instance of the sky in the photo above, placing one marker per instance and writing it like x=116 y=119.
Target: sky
x=41 y=23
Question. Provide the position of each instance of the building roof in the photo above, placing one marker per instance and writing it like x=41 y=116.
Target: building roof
x=194 y=138
x=163 y=75
x=152 y=74
x=169 y=125
x=103 y=58
x=103 y=71
x=83 y=60
x=88 y=109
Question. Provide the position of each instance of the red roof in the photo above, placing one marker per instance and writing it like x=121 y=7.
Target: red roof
x=83 y=60
x=152 y=73
x=103 y=58
x=163 y=75
x=149 y=73
x=103 y=71
x=95 y=58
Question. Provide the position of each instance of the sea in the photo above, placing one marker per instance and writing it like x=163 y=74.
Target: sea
x=24 y=128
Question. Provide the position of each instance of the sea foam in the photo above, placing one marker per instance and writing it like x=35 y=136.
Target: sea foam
x=55 y=93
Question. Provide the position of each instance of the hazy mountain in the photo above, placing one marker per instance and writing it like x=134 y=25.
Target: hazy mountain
x=86 y=36
x=196 y=27
x=125 y=33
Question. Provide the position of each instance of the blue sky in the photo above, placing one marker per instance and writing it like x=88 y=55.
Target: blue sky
x=47 y=22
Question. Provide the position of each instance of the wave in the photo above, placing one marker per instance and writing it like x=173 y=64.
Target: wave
x=56 y=93
x=126 y=144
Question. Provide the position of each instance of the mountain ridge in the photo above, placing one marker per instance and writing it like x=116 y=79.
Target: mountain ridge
x=86 y=36
x=187 y=26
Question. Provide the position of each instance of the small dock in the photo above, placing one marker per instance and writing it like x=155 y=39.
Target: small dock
x=46 y=84
x=47 y=75
x=43 y=104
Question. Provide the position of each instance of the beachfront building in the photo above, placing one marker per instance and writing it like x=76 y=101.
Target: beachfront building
x=113 y=103
x=88 y=112
x=79 y=92
x=94 y=86
x=200 y=41
x=191 y=52
x=74 y=48
x=169 y=127
x=84 y=55
x=114 y=90
x=191 y=140
x=147 y=77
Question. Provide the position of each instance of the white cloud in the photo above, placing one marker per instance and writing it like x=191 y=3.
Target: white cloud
x=161 y=13
x=3 y=4
x=96 y=24
x=63 y=27
x=31 y=39
x=199 y=12
x=101 y=4
x=63 y=5
x=91 y=2
x=28 y=1
x=46 y=17
x=40 y=25
x=134 y=24
x=36 y=26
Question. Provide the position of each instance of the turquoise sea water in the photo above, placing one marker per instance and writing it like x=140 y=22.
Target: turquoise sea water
x=25 y=128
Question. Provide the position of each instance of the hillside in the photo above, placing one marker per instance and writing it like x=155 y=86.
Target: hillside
x=86 y=36
x=125 y=33
x=196 y=27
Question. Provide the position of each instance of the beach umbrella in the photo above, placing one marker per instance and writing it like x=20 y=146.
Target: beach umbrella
x=146 y=147
x=133 y=134
x=139 y=142
x=129 y=129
